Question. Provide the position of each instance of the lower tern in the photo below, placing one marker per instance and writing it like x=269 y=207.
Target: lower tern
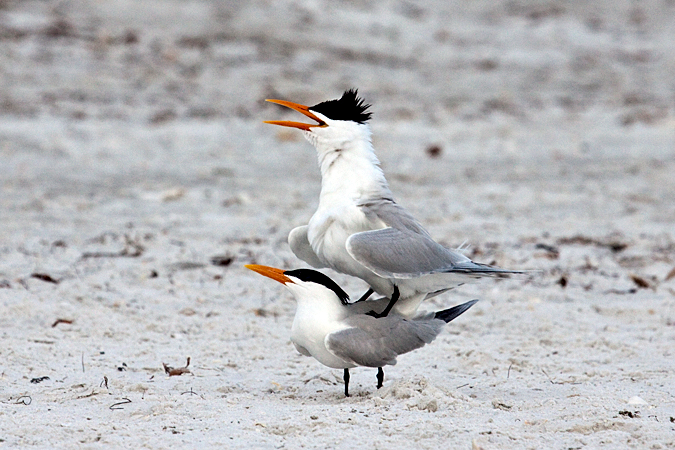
x=358 y=229
x=340 y=335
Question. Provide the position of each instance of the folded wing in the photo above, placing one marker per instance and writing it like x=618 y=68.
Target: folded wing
x=374 y=342
x=405 y=249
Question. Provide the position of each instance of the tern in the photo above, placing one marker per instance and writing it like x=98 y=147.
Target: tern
x=341 y=335
x=358 y=229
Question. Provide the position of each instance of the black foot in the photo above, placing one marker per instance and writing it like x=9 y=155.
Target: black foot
x=392 y=302
x=380 y=377
x=345 y=377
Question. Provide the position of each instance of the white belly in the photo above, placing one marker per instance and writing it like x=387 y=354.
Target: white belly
x=328 y=232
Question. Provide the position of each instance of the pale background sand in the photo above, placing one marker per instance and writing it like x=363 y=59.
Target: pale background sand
x=135 y=128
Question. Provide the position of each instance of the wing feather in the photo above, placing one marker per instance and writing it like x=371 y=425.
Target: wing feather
x=405 y=249
x=374 y=342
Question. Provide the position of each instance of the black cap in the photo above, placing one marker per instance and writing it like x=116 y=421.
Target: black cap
x=347 y=107
x=314 y=276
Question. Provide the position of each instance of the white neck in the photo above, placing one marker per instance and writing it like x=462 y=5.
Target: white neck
x=318 y=308
x=350 y=171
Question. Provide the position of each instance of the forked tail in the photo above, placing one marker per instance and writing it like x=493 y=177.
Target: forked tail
x=450 y=314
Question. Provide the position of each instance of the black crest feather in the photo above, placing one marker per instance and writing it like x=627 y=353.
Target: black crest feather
x=347 y=107
x=319 y=278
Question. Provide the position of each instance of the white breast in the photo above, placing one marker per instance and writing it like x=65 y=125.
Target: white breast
x=309 y=332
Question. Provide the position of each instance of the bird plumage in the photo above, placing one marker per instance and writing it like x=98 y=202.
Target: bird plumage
x=341 y=335
x=358 y=229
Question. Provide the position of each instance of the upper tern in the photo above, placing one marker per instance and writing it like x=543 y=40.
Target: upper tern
x=340 y=335
x=358 y=229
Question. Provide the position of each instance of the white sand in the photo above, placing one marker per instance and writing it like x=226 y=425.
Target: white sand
x=135 y=128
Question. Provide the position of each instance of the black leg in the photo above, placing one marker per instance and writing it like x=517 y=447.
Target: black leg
x=392 y=302
x=345 y=377
x=380 y=377
x=365 y=296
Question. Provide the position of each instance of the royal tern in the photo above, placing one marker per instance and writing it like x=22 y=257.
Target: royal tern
x=358 y=229
x=340 y=335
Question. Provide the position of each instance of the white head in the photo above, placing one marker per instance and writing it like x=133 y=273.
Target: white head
x=341 y=123
x=341 y=133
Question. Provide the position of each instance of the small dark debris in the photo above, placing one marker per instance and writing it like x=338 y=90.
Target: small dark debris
x=621 y=292
x=630 y=414
x=222 y=260
x=615 y=246
x=669 y=277
x=58 y=29
x=44 y=277
x=578 y=239
x=153 y=274
x=58 y=321
x=131 y=37
x=434 y=151
x=672 y=420
x=187 y=265
x=640 y=282
x=122 y=368
x=178 y=370
x=551 y=251
x=118 y=404
x=38 y=380
x=548 y=248
x=562 y=281
x=163 y=116
x=60 y=243
x=496 y=404
x=262 y=312
x=487 y=65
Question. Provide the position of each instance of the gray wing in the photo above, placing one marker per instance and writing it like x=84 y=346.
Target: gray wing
x=374 y=342
x=297 y=240
x=405 y=249
x=393 y=214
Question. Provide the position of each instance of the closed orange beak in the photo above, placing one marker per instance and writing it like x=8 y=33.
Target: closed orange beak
x=270 y=272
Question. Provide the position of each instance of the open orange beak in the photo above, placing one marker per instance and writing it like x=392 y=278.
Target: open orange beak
x=270 y=272
x=300 y=108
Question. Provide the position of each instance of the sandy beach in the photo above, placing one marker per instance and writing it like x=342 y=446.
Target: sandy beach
x=137 y=179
